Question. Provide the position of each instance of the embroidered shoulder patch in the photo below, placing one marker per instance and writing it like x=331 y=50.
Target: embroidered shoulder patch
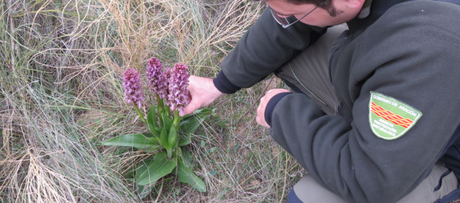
x=389 y=118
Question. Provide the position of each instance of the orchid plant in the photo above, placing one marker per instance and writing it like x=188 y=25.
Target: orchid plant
x=167 y=132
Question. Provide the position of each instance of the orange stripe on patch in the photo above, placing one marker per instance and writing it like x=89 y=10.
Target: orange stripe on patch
x=389 y=116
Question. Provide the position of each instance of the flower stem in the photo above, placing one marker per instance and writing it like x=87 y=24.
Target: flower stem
x=140 y=115
x=176 y=118
x=159 y=100
x=169 y=153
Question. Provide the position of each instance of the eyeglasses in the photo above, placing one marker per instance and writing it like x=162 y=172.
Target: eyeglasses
x=287 y=21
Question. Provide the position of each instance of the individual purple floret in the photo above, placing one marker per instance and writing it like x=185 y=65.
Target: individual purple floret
x=178 y=94
x=157 y=78
x=133 y=87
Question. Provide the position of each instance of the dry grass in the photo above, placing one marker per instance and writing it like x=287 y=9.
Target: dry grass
x=61 y=95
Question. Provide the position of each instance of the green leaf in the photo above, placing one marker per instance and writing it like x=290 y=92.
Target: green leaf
x=151 y=120
x=172 y=138
x=142 y=167
x=138 y=141
x=143 y=190
x=185 y=140
x=186 y=175
x=164 y=139
x=150 y=135
x=160 y=167
x=212 y=150
x=167 y=120
x=160 y=112
x=186 y=158
x=236 y=146
x=202 y=144
x=191 y=122
x=178 y=152
x=165 y=107
x=164 y=116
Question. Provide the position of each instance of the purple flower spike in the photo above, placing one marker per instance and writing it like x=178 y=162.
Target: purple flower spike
x=178 y=96
x=157 y=78
x=167 y=75
x=133 y=87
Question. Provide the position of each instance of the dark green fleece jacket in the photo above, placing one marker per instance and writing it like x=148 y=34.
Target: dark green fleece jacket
x=396 y=73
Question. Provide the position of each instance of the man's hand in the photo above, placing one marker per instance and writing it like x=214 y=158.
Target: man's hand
x=263 y=104
x=203 y=93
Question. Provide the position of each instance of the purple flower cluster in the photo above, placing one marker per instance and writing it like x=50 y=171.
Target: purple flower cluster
x=169 y=83
x=157 y=79
x=133 y=87
x=178 y=94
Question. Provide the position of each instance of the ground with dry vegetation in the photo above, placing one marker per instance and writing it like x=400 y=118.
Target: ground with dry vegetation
x=61 y=95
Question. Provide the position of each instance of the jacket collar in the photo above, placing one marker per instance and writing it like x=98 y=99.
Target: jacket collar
x=366 y=10
x=371 y=11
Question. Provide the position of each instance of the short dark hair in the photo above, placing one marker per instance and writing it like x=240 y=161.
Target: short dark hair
x=327 y=4
x=317 y=2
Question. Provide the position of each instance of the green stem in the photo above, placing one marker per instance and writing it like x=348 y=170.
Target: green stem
x=159 y=100
x=176 y=118
x=162 y=105
x=169 y=153
x=140 y=115
x=168 y=111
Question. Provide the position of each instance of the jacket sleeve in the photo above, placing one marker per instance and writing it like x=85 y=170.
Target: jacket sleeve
x=411 y=54
x=263 y=49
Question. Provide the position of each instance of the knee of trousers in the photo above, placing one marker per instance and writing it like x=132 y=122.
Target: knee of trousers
x=440 y=186
x=308 y=72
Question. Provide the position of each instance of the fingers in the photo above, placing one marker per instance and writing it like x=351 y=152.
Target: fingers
x=260 y=119
x=263 y=105
x=194 y=103
x=190 y=108
x=202 y=93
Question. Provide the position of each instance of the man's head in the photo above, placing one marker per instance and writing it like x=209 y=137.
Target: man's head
x=329 y=12
x=325 y=4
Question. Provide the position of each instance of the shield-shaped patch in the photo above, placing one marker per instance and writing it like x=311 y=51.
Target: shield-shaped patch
x=389 y=118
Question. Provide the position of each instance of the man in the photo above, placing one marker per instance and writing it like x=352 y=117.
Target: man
x=374 y=117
